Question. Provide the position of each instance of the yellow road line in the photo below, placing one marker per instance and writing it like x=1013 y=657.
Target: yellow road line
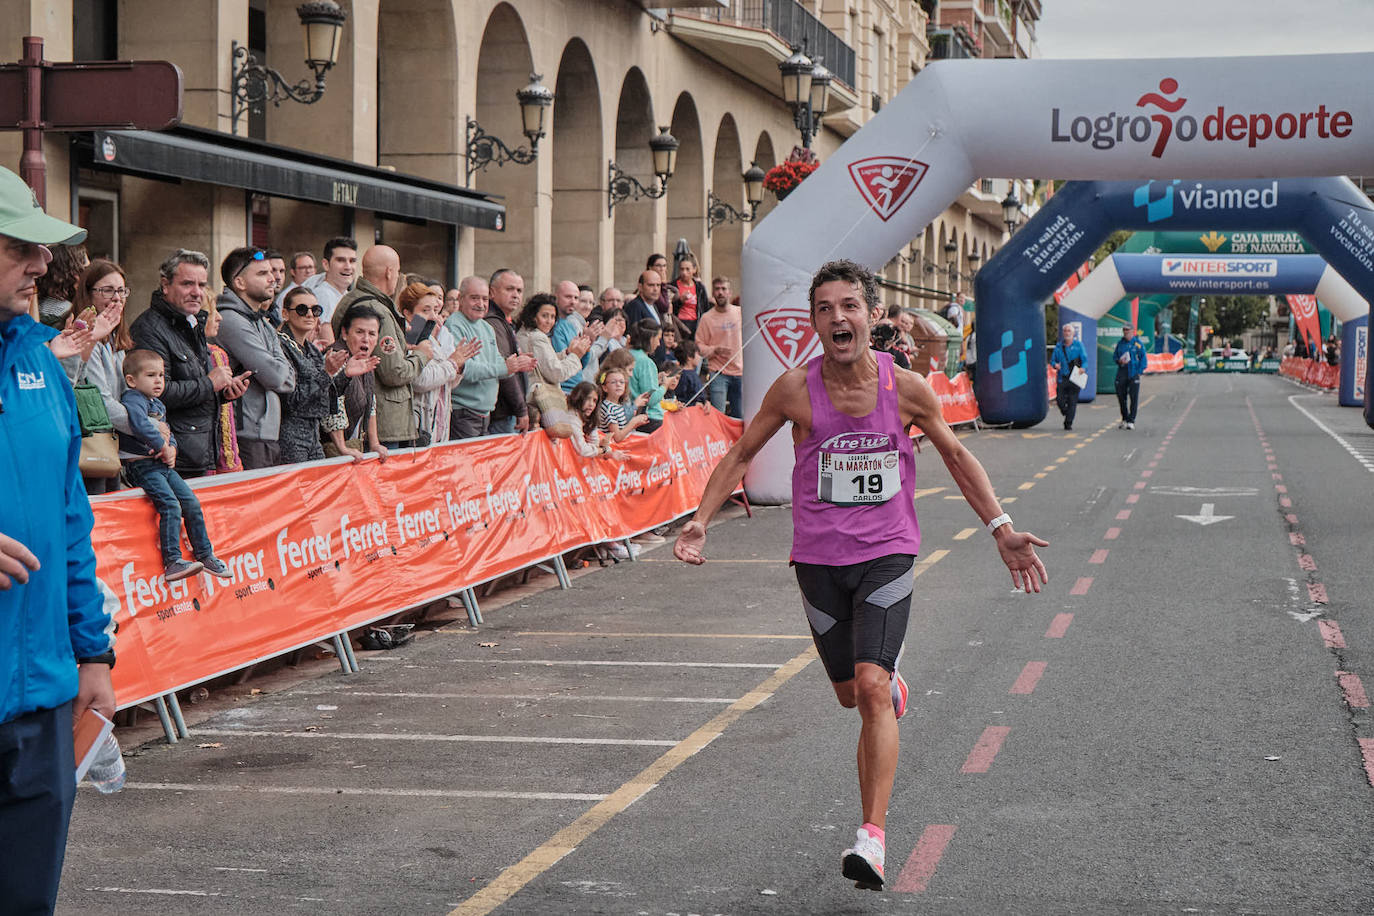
x=965 y=534
x=935 y=557
x=661 y=635
x=509 y=882
x=928 y=491
x=1026 y=486
x=1040 y=475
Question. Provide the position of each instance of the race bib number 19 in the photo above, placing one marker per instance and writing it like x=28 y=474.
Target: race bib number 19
x=858 y=479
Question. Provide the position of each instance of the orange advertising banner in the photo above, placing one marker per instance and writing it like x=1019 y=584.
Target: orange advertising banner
x=320 y=548
x=1164 y=362
x=957 y=403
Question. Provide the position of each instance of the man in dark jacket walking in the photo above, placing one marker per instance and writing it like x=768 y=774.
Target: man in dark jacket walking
x=250 y=338
x=174 y=328
x=56 y=637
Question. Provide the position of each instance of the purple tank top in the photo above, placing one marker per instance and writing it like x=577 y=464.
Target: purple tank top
x=853 y=479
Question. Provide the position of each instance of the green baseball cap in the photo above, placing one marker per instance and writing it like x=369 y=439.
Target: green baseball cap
x=21 y=217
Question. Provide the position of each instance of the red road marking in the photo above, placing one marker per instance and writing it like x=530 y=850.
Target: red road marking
x=1317 y=592
x=1112 y=534
x=1355 y=697
x=1030 y=676
x=1154 y=464
x=1331 y=634
x=920 y=866
x=1082 y=585
x=1276 y=476
x=1059 y=626
x=1290 y=518
x=989 y=743
x=1099 y=556
x=1140 y=485
x=1280 y=488
x=1367 y=752
x=1147 y=473
x=1306 y=562
x=1123 y=515
x=1285 y=502
x=1296 y=538
x=1133 y=498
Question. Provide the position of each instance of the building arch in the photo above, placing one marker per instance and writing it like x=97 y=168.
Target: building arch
x=687 y=191
x=727 y=184
x=634 y=220
x=765 y=158
x=504 y=65
x=575 y=148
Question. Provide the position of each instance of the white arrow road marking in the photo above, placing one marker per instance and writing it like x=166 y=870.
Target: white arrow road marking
x=1206 y=518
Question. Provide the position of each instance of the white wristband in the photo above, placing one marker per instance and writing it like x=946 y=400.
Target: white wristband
x=998 y=522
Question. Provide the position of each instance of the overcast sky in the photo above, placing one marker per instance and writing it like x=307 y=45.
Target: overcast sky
x=1203 y=28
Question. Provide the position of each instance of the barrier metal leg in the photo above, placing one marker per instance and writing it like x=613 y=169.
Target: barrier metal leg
x=470 y=603
x=341 y=654
x=161 y=706
x=561 y=570
x=629 y=549
x=175 y=705
x=348 y=653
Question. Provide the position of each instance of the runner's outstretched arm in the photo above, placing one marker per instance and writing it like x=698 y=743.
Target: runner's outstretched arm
x=730 y=471
x=1017 y=548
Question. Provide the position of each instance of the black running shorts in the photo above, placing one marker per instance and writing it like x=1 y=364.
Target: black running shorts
x=857 y=613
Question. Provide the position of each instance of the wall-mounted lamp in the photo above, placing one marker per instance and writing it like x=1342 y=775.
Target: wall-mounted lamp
x=483 y=148
x=719 y=212
x=622 y=186
x=251 y=84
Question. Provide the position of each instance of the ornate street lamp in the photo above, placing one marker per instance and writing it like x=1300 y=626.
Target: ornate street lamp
x=483 y=149
x=251 y=84
x=622 y=186
x=806 y=90
x=719 y=212
x=1011 y=211
x=952 y=264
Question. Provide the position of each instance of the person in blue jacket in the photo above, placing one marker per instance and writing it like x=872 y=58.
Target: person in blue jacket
x=56 y=637
x=1068 y=355
x=1130 y=366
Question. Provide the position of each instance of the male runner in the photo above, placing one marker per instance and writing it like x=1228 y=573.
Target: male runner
x=855 y=535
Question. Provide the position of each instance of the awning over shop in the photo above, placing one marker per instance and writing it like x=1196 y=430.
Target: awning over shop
x=221 y=159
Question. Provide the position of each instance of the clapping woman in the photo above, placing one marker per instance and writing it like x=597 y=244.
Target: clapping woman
x=305 y=409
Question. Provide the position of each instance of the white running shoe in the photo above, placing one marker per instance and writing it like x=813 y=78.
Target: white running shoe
x=1130 y=426
x=863 y=863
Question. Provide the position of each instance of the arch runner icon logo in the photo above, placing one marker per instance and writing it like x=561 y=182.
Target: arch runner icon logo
x=789 y=334
x=886 y=182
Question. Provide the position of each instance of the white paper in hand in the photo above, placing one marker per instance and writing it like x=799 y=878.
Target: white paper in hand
x=1079 y=376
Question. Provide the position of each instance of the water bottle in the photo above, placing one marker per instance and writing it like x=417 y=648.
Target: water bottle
x=107 y=770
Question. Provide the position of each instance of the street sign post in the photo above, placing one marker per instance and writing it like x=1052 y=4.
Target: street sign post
x=38 y=95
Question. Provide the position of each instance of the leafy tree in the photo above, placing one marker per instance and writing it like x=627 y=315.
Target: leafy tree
x=1229 y=316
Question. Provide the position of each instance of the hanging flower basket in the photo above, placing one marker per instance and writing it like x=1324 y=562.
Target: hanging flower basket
x=782 y=179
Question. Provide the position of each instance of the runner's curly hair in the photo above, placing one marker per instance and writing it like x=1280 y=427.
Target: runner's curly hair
x=846 y=271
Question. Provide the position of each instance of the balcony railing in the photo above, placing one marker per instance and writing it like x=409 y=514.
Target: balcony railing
x=946 y=44
x=791 y=22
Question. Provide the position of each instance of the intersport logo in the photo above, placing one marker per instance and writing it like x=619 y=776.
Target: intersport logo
x=1219 y=267
x=1167 y=122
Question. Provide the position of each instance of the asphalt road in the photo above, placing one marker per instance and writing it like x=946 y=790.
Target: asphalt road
x=1177 y=725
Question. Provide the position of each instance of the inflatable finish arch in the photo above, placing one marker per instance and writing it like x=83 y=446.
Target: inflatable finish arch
x=1333 y=215
x=1191 y=275
x=1250 y=117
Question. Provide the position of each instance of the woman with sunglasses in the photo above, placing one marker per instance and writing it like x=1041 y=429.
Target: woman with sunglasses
x=310 y=407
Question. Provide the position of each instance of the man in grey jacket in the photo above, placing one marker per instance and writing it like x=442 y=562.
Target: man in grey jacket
x=247 y=334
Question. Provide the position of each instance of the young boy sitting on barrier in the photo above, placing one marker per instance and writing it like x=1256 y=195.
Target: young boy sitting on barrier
x=149 y=456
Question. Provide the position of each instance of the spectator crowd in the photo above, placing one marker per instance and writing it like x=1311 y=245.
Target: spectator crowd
x=297 y=360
